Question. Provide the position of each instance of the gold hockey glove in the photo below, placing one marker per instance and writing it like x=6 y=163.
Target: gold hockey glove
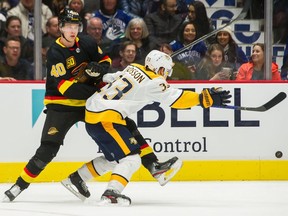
x=214 y=97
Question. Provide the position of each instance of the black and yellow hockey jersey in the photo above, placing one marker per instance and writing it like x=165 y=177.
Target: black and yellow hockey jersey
x=63 y=64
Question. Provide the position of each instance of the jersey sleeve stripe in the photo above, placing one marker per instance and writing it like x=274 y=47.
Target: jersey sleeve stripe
x=64 y=85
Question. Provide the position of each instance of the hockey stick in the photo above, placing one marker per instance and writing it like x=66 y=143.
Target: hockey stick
x=242 y=15
x=273 y=102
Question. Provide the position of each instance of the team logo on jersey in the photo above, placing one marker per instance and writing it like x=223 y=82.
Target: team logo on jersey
x=80 y=69
x=70 y=62
x=115 y=29
x=52 y=131
x=133 y=141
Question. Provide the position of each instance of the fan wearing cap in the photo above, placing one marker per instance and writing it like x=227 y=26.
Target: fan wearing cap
x=234 y=55
x=76 y=5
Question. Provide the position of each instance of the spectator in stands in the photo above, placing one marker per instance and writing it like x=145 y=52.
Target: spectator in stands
x=182 y=7
x=234 y=55
x=57 y=6
x=197 y=13
x=127 y=53
x=280 y=21
x=166 y=48
x=52 y=30
x=4 y=7
x=163 y=25
x=5 y=4
x=13 y=3
x=254 y=70
x=135 y=8
x=213 y=66
x=137 y=32
x=12 y=67
x=91 y=6
x=114 y=21
x=180 y=72
x=49 y=3
x=25 y=11
x=140 y=8
x=95 y=29
x=191 y=56
x=13 y=28
x=78 y=6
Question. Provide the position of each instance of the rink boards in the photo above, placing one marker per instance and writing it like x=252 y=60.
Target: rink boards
x=215 y=144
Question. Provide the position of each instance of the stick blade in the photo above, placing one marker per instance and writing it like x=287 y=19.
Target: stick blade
x=274 y=101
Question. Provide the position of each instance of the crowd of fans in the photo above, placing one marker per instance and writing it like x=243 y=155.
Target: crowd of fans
x=128 y=30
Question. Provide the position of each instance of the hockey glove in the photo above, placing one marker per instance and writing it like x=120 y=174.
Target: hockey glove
x=96 y=71
x=214 y=97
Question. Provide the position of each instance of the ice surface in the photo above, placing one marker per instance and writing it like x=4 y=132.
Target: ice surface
x=205 y=198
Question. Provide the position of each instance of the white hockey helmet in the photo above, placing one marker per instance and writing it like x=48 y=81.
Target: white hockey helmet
x=156 y=60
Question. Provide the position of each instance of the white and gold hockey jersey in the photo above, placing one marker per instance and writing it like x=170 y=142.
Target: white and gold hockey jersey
x=129 y=91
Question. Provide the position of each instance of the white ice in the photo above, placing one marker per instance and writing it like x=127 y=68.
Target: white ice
x=203 y=198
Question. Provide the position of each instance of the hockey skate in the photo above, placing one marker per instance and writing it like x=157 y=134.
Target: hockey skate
x=75 y=181
x=12 y=193
x=163 y=172
x=112 y=197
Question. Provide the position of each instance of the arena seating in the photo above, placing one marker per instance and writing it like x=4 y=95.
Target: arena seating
x=246 y=32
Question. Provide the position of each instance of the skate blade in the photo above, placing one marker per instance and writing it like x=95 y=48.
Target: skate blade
x=68 y=185
x=164 y=178
x=6 y=199
x=107 y=202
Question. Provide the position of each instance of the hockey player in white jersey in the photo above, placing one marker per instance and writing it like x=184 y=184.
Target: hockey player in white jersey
x=127 y=92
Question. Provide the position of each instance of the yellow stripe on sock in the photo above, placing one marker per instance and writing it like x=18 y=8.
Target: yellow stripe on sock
x=26 y=177
x=145 y=151
x=119 y=178
x=92 y=169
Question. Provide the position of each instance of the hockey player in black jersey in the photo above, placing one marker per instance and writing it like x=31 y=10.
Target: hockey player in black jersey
x=68 y=86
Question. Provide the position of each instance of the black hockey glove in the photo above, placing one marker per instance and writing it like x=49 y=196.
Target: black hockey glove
x=96 y=71
x=214 y=97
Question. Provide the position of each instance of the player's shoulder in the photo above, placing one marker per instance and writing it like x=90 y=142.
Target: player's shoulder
x=86 y=39
x=55 y=50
